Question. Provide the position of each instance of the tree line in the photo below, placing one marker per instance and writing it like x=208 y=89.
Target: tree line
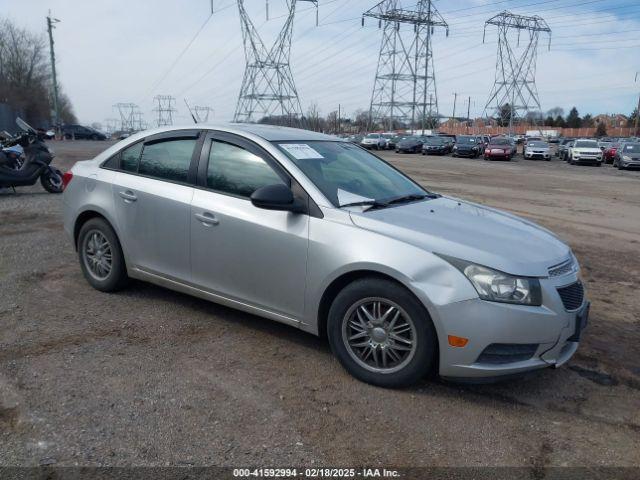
x=25 y=77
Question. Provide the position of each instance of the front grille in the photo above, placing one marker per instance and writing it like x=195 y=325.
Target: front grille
x=501 y=353
x=572 y=296
x=563 y=268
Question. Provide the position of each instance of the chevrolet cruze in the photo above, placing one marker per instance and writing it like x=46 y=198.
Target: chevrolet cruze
x=320 y=234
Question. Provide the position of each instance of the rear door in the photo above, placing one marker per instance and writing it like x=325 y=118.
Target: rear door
x=152 y=195
x=250 y=255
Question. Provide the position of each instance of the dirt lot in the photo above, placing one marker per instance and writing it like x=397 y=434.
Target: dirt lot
x=153 y=377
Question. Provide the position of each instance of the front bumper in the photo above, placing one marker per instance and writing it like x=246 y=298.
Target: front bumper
x=550 y=328
x=543 y=156
x=587 y=159
x=630 y=163
x=438 y=151
x=466 y=153
x=497 y=155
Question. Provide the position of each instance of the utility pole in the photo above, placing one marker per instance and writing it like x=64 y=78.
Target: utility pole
x=56 y=106
x=455 y=98
x=468 y=113
x=338 y=120
x=635 y=129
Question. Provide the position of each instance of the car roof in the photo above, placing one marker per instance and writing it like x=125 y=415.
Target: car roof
x=267 y=132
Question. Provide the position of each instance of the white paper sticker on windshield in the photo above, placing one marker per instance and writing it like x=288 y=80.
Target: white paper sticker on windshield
x=345 y=197
x=300 y=151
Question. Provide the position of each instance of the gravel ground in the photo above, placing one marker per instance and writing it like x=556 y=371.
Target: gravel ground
x=152 y=377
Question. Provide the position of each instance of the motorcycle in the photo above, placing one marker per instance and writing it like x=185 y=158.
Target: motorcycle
x=36 y=164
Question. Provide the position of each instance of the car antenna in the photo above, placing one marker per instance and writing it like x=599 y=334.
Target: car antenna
x=189 y=108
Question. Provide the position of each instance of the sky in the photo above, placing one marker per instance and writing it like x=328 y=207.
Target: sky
x=129 y=51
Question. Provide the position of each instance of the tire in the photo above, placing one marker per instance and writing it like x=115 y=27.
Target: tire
x=67 y=136
x=411 y=365
x=50 y=182
x=94 y=137
x=116 y=278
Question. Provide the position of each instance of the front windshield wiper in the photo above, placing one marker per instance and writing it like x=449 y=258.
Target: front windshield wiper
x=370 y=204
x=412 y=197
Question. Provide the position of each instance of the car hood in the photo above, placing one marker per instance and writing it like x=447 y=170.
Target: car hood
x=586 y=150
x=471 y=232
x=466 y=146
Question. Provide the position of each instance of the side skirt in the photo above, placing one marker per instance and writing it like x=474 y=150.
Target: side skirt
x=165 y=282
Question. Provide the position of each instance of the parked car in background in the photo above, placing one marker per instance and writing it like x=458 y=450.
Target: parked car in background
x=435 y=146
x=532 y=139
x=393 y=142
x=627 y=155
x=387 y=140
x=585 y=151
x=486 y=140
x=536 y=149
x=562 y=147
x=80 y=132
x=499 y=148
x=411 y=144
x=468 y=146
x=355 y=139
x=450 y=141
x=375 y=141
x=609 y=153
x=401 y=281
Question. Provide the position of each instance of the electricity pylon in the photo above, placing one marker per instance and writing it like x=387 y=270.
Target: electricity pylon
x=268 y=88
x=164 y=109
x=128 y=114
x=404 y=91
x=515 y=82
x=202 y=113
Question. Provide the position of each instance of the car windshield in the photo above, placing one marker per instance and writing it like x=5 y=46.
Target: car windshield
x=538 y=144
x=411 y=139
x=500 y=141
x=346 y=173
x=467 y=140
x=632 y=148
x=586 y=144
x=435 y=141
x=373 y=135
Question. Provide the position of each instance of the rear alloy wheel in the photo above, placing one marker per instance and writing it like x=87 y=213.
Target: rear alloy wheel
x=381 y=333
x=101 y=257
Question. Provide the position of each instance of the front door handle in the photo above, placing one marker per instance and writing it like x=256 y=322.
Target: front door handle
x=128 y=196
x=207 y=219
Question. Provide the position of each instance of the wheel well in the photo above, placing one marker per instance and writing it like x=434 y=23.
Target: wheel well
x=337 y=285
x=83 y=218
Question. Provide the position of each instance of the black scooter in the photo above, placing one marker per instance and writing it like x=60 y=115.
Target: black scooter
x=36 y=164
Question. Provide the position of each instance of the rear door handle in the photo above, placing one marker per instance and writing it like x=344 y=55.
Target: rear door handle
x=128 y=196
x=207 y=219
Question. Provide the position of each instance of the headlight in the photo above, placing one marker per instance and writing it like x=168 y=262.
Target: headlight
x=626 y=158
x=455 y=147
x=496 y=286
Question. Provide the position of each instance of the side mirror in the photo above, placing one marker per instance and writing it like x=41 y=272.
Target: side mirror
x=276 y=197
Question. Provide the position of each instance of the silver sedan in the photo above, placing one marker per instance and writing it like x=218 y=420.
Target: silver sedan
x=320 y=234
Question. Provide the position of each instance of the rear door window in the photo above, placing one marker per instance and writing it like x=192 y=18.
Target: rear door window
x=167 y=160
x=129 y=158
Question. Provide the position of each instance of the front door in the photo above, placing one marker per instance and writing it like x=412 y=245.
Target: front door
x=254 y=256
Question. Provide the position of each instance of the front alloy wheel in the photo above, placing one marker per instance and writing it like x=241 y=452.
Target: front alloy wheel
x=381 y=333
